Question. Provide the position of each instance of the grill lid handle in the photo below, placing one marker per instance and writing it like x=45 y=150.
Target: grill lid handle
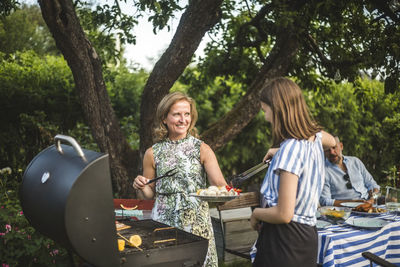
x=59 y=137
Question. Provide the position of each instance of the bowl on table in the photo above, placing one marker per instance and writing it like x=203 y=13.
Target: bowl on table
x=335 y=213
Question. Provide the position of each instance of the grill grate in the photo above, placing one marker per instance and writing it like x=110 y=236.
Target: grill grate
x=155 y=235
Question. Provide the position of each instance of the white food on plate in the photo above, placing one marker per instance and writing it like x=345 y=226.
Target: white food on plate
x=216 y=191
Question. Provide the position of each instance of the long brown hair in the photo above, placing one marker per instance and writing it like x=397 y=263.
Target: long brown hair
x=160 y=130
x=291 y=116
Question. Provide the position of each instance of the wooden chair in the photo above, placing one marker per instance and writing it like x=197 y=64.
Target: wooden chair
x=250 y=199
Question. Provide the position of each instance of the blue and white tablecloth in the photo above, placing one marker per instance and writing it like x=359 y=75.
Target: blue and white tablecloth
x=342 y=245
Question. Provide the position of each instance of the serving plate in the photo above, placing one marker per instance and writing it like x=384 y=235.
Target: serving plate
x=214 y=198
x=350 y=204
x=335 y=213
x=368 y=214
x=367 y=223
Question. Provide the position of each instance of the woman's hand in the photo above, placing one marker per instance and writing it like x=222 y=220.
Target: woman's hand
x=140 y=182
x=270 y=153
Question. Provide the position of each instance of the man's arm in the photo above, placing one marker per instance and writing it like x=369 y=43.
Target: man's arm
x=369 y=181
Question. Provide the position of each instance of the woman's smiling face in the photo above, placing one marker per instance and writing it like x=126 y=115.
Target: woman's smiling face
x=178 y=120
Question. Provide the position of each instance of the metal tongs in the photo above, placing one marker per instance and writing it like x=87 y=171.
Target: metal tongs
x=169 y=173
x=237 y=180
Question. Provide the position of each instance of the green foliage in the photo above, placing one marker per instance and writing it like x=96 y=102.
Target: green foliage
x=20 y=244
x=246 y=150
x=38 y=100
x=24 y=29
x=125 y=88
x=110 y=25
x=106 y=26
x=364 y=117
x=6 y=6
x=351 y=37
x=161 y=11
x=392 y=178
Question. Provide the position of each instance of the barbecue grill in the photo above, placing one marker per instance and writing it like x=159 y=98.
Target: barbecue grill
x=66 y=194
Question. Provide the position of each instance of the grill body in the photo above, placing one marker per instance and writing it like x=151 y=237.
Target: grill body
x=68 y=197
x=66 y=194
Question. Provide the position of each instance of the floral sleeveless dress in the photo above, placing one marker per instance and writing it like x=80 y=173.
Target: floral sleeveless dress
x=173 y=205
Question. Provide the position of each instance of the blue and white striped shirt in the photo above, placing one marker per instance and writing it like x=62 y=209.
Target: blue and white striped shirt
x=305 y=159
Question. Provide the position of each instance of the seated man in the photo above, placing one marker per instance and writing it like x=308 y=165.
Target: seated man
x=346 y=179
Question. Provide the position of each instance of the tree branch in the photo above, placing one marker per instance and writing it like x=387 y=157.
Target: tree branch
x=277 y=64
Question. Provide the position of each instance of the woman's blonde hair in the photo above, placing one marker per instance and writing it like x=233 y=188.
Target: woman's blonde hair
x=160 y=130
x=291 y=117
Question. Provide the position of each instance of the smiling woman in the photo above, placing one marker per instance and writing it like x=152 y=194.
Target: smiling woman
x=178 y=148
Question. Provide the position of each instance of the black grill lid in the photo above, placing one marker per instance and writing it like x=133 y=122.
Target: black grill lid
x=66 y=194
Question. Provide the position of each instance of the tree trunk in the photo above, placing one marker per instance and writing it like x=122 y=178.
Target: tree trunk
x=61 y=18
x=199 y=17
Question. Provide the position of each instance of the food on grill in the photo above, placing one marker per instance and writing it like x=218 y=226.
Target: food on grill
x=219 y=191
x=120 y=226
x=368 y=208
x=128 y=208
x=135 y=240
x=121 y=244
x=157 y=242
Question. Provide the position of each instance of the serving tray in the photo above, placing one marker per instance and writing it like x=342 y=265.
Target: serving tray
x=214 y=198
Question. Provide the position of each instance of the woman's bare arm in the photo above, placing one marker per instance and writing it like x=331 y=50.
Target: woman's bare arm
x=283 y=212
x=210 y=162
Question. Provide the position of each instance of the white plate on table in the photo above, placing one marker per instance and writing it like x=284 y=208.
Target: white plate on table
x=214 y=198
x=322 y=224
x=368 y=214
x=367 y=223
x=350 y=204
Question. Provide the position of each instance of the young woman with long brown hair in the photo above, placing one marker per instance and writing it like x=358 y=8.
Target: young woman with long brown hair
x=294 y=180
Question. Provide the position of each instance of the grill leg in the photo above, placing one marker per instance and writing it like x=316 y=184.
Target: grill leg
x=71 y=258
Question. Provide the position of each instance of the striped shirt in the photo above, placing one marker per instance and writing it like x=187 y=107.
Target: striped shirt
x=305 y=159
